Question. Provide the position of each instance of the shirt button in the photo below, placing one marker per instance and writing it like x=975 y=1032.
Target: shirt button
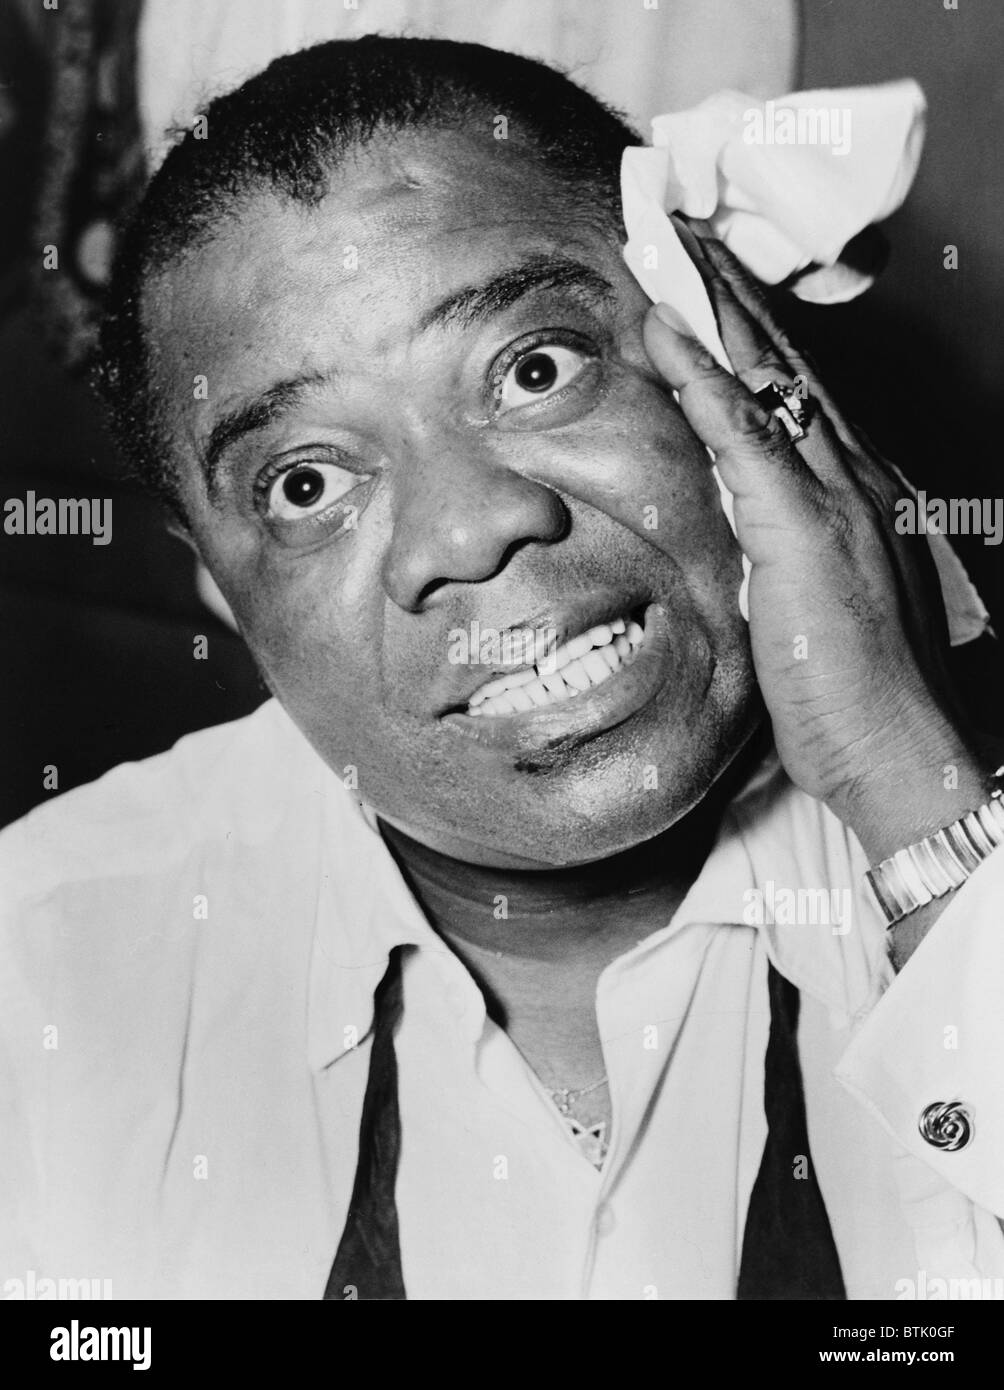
x=946 y=1124
x=605 y=1221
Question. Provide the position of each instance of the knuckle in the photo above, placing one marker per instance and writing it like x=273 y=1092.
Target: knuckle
x=766 y=366
x=753 y=424
x=879 y=491
x=884 y=497
x=704 y=363
x=856 y=525
x=843 y=532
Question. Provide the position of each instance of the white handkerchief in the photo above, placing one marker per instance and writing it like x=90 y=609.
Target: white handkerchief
x=786 y=184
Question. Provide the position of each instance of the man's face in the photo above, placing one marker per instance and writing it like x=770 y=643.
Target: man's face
x=435 y=431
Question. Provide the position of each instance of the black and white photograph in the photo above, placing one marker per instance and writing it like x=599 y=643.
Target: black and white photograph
x=503 y=799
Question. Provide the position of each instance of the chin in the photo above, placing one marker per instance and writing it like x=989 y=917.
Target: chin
x=601 y=812
x=588 y=802
x=609 y=832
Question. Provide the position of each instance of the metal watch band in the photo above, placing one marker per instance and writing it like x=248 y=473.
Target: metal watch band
x=913 y=877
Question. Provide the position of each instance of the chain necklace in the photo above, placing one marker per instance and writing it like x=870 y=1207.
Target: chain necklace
x=565 y=1098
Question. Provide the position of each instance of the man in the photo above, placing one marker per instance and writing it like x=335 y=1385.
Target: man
x=437 y=978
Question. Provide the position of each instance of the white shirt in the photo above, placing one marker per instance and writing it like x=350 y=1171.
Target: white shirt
x=187 y=965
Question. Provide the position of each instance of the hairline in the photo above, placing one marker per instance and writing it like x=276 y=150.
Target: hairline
x=212 y=187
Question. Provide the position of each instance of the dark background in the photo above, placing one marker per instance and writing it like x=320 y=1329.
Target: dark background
x=98 y=640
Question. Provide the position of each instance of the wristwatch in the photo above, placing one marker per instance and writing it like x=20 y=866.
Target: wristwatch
x=932 y=867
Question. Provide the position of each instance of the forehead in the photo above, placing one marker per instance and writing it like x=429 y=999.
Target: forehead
x=405 y=219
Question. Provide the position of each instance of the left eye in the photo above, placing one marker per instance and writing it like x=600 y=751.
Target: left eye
x=538 y=374
x=306 y=489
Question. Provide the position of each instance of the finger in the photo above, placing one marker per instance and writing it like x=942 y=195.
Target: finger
x=772 y=486
x=750 y=294
x=879 y=484
x=693 y=233
x=863 y=462
x=758 y=360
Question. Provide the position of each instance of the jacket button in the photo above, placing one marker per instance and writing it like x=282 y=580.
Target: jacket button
x=946 y=1124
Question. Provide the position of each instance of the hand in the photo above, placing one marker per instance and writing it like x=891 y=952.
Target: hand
x=847 y=626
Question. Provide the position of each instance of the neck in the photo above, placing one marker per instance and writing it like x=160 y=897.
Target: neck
x=536 y=941
x=556 y=915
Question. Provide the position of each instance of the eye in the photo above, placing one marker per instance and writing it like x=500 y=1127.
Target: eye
x=538 y=373
x=306 y=489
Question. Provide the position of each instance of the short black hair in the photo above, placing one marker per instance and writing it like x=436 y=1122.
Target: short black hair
x=286 y=129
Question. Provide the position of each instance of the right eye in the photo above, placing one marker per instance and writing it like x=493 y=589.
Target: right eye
x=539 y=373
x=307 y=489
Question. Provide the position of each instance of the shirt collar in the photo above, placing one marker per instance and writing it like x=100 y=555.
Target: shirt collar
x=365 y=908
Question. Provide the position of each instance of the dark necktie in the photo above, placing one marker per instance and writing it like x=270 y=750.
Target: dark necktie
x=788 y=1250
x=368 y=1263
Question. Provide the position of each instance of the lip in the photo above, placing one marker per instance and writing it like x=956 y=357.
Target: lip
x=584 y=716
x=567 y=621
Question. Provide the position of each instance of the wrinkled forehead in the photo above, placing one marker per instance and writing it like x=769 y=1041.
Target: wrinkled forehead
x=404 y=218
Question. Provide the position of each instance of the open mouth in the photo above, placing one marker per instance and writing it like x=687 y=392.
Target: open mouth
x=577 y=666
x=599 y=680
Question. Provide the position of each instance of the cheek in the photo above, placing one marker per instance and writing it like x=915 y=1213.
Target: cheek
x=637 y=461
x=301 y=626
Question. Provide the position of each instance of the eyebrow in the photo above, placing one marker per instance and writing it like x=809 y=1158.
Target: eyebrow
x=474 y=303
x=266 y=407
x=461 y=309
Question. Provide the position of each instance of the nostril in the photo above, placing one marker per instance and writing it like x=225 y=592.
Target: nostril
x=465 y=530
x=429 y=595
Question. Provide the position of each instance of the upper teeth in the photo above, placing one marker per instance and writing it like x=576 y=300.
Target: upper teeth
x=578 y=665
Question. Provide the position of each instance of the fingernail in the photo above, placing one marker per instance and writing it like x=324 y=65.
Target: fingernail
x=672 y=318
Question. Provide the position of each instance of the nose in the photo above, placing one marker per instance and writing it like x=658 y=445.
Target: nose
x=459 y=513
